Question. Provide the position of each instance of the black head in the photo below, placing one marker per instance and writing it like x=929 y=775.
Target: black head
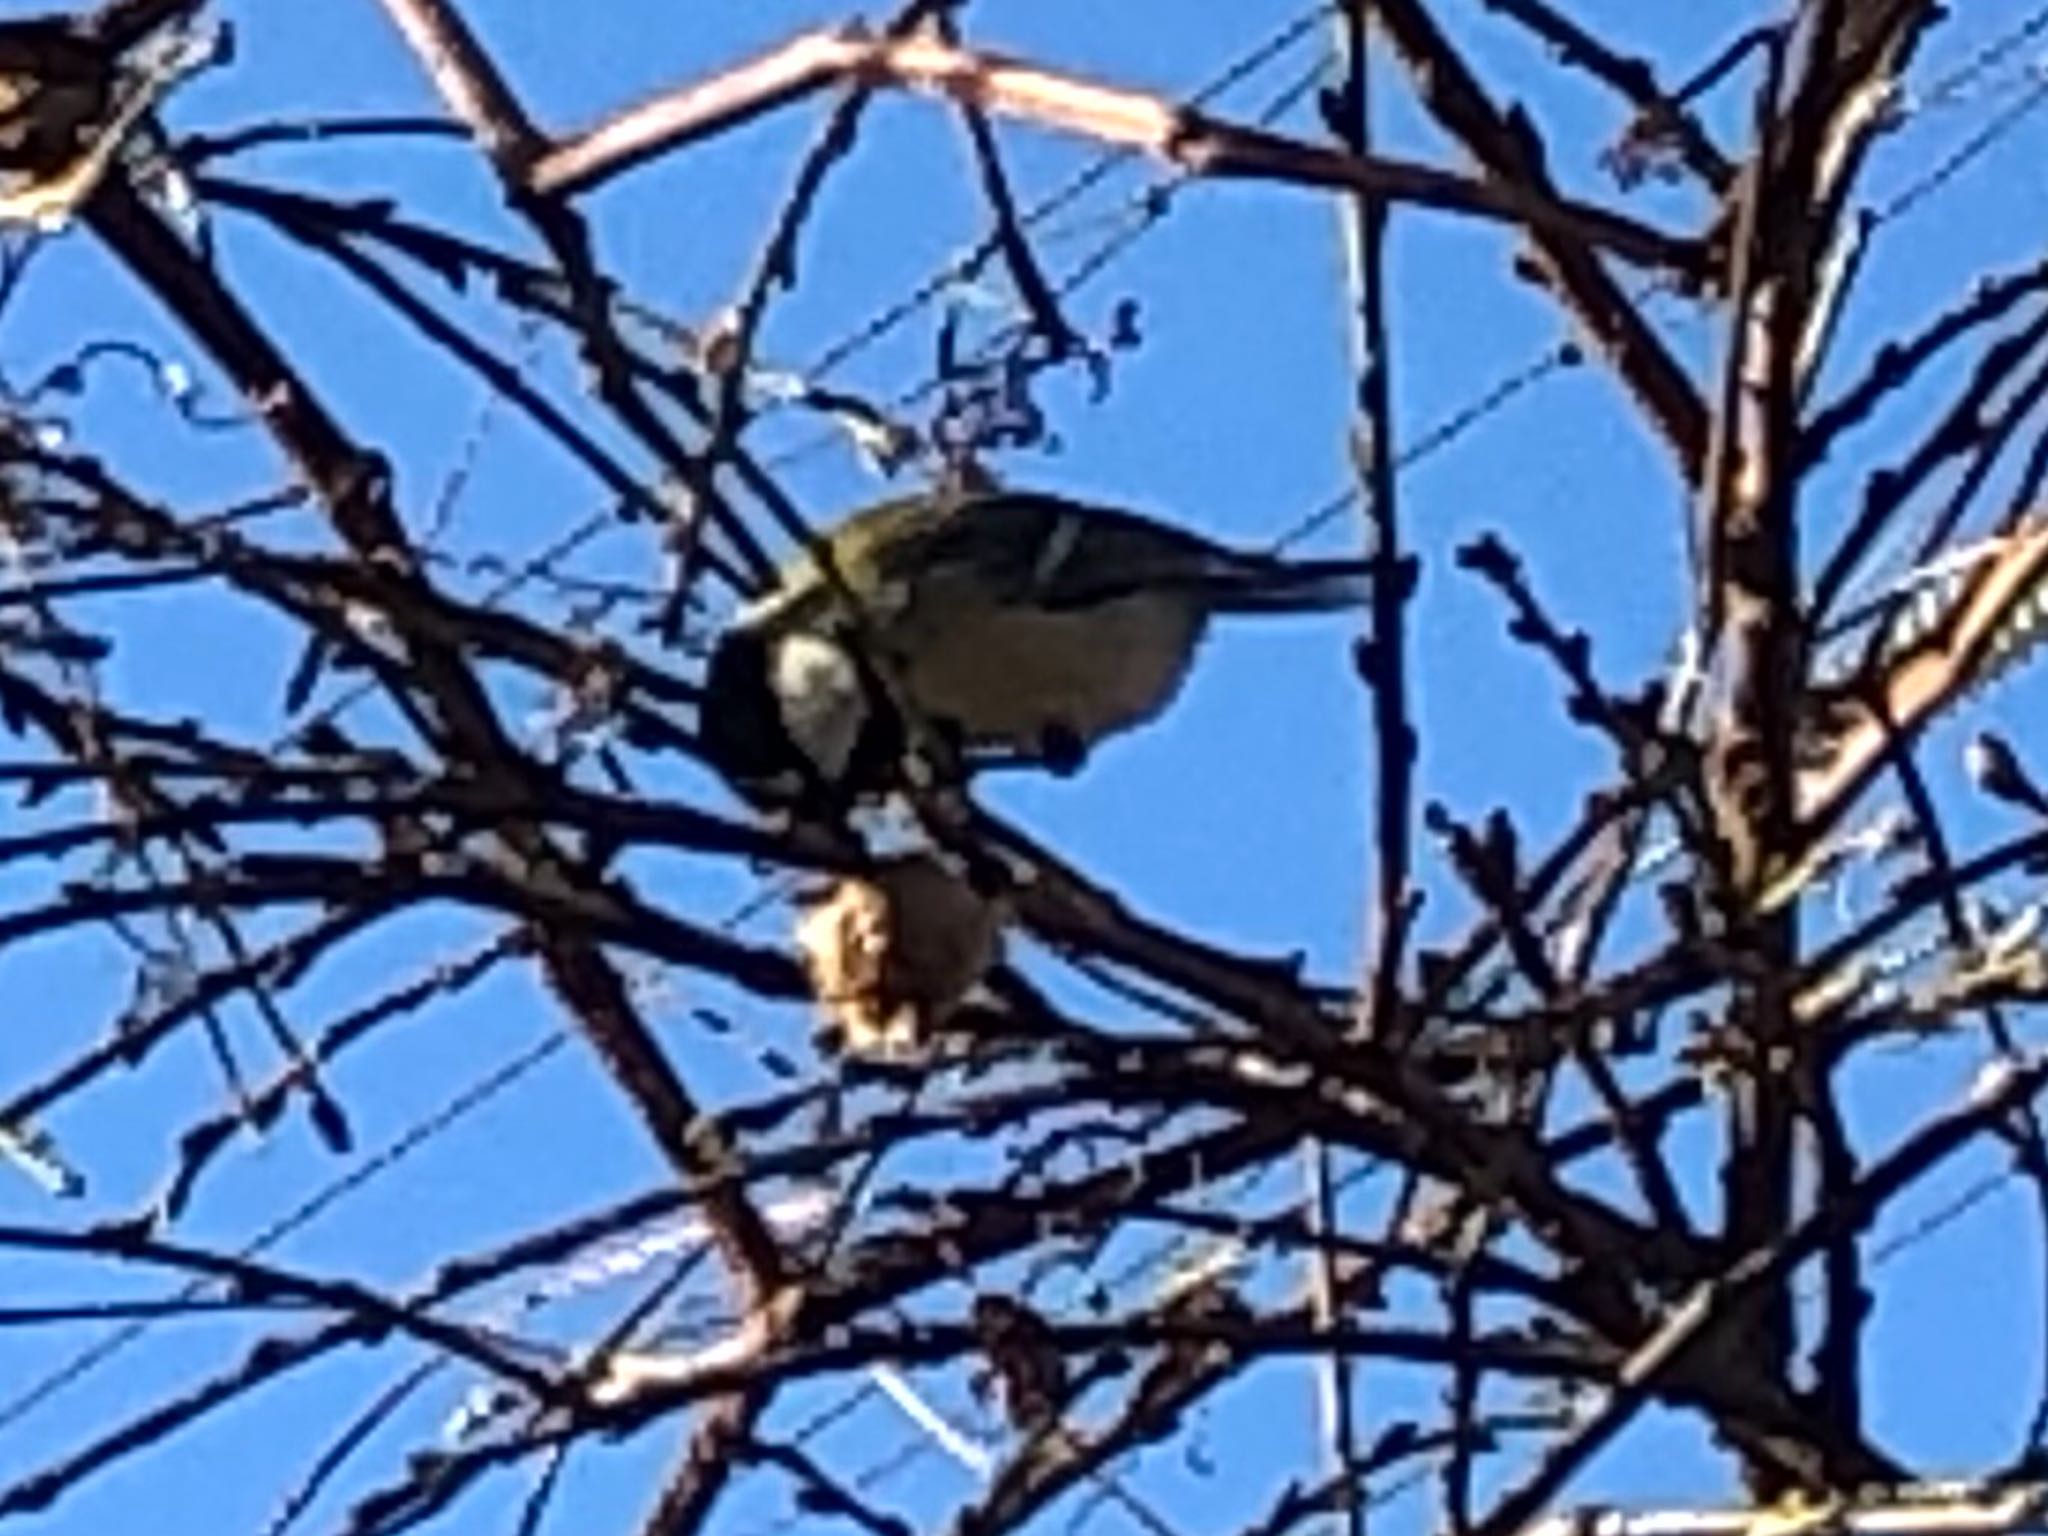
x=796 y=721
x=738 y=724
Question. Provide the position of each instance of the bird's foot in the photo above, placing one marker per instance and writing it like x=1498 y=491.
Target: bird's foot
x=1062 y=750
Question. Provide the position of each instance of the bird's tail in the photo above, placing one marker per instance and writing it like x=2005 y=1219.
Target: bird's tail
x=1265 y=585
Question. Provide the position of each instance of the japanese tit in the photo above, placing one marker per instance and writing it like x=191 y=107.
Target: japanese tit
x=1012 y=626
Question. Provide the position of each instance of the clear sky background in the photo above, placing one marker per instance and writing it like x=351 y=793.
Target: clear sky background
x=1244 y=817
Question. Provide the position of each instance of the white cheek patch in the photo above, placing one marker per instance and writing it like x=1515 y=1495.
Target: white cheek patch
x=818 y=694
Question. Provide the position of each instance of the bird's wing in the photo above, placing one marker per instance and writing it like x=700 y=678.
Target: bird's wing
x=804 y=598
x=997 y=541
x=1046 y=552
x=1010 y=548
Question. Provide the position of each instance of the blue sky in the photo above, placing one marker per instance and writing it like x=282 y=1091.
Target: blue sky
x=1243 y=817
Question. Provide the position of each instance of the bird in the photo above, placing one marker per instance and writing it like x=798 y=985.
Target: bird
x=1011 y=626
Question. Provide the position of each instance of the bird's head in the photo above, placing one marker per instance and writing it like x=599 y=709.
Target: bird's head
x=795 y=719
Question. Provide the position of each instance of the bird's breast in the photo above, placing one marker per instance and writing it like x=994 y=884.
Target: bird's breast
x=1007 y=674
